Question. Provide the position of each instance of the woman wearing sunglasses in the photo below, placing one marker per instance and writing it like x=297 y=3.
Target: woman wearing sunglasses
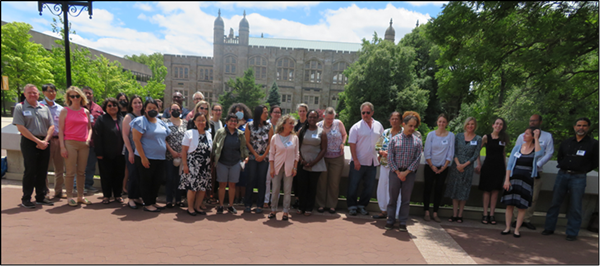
x=74 y=134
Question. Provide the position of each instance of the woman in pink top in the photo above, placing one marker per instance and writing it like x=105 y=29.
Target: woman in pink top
x=75 y=132
x=283 y=158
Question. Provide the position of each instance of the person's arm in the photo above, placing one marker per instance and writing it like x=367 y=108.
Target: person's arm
x=97 y=134
x=272 y=154
x=248 y=145
x=475 y=153
x=392 y=155
x=548 y=151
x=297 y=155
x=344 y=135
x=137 y=139
x=243 y=148
x=428 y=150
x=268 y=144
x=560 y=155
x=184 y=151
x=125 y=133
x=536 y=137
x=416 y=159
x=449 y=153
x=509 y=167
x=89 y=126
x=61 y=132
x=50 y=131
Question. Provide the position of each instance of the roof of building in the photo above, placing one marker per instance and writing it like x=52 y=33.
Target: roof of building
x=305 y=44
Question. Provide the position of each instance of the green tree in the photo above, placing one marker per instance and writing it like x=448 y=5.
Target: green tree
x=22 y=60
x=382 y=75
x=274 y=96
x=244 y=90
x=156 y=85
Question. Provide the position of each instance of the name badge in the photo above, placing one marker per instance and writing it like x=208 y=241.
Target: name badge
x=333 y=131
x=444 y=142
x=580 y=152
x=473 y=143
x=501 y=143
x=518 y=154
x=289 y=143
x=170 y=124
x=315 y=136
x=209 y=130
x=91 y=118
x=27 y=113
x=542 y=142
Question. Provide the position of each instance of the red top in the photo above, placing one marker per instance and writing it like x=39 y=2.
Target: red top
x=76 y=125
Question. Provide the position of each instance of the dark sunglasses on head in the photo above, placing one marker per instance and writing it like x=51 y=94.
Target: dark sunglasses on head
x=366 y=112
x=74 y=96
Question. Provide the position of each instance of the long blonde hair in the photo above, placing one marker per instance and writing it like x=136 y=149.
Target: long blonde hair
x=282 y=121
x=82 y=97
x=207 y=114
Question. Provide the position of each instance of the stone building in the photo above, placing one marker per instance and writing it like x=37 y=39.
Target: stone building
x=306 y=71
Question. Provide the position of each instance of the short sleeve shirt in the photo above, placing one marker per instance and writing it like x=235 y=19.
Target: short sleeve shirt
x=153 y=137
x=55 y=112
x=36 y=119
x=365 y=138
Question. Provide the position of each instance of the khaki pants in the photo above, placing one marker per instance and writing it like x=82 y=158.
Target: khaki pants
x=328 y=186
x=59 y=167
x=76 y=162
x=537 y=186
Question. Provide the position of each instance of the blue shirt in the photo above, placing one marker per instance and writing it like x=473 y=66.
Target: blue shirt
x=154 y=137
x=55 y=112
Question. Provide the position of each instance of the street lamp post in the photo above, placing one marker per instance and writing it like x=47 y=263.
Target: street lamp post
x=65 y=8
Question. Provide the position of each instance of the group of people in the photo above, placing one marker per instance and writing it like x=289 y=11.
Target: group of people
x=194 y=154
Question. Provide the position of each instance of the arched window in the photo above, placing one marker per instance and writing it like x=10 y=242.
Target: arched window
x=338 y=76
x=260 y=67
x=313 y=70
x=230 y=63
x=285 y=69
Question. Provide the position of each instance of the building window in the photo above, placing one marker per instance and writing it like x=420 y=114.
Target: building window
x=312 y=71
x=285 y=69
x=180 y=72
x=260 y=67
x=230 y=63
x=286 y=98
x=316 y=100
x=205 y=74
x=208 y=96
x=338 y=76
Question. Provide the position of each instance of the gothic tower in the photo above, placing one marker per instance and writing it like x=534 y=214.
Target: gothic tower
x=219 y=33
x=390 y=33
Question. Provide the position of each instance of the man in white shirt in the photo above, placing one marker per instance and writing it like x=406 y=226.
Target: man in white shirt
x=547 y=143
x=362 y=138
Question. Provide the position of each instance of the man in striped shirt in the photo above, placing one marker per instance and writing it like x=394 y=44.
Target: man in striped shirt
x=404 y=155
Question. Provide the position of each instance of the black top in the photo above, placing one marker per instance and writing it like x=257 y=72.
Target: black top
x=579 y=156
x=299 y=125
x=231 y=149
x=107 y=136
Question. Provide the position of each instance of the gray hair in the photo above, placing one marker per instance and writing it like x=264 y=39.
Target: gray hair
x=329 y=111
x=201 y=95
x=367 y=104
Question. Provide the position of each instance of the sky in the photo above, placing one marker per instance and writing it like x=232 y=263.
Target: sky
x=186 y=28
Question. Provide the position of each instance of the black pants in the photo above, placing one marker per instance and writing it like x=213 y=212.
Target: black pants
x=150 y=178
x=112 y=172
x=307 y=188
x=438 y=187
x=36 y=169
x=133 y=182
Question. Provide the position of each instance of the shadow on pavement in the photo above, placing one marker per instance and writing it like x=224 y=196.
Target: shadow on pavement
x=18 y=210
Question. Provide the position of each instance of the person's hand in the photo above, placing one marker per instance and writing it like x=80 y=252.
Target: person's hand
x=356 y=165
x=308 y=164
x=42 y=145
x=131 y=158
x=342 y=147
x=294 y=172
x=186 y=169
x=272 y=173
x=441 y=170
x=506 y=185
x=64 y=153
x=259 y=158
x=175 y=154
x=435 y=169
x=87 y=142
x=460 y=168
x=99 y=157
x=246 y=160
x=478 y=169
x=145 y=163
x=383 y=154
x=536 y=134
x=401 y=175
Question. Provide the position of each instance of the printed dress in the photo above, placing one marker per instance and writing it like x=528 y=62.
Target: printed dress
x=174 y=139
x=459 y=184
x=199 y=167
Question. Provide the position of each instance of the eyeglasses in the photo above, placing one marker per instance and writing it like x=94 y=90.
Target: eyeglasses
x=198 y=99
x=277 y=113
x=217 y=110
x=366 y=113
x=202 y=108
x=110 y=105
x=73 y=96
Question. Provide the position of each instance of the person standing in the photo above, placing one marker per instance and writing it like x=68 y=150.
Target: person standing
x=123 y=103
x=178 y=98
x=363 y=137
x=95 y=112
x=35 y=123
x=518 y=183
x=135 y=109
x=258 y=133
x=243 y=114
x=302 y=110
x=217 y=112
x=109 y=147
x=283 y=157
x=577 y=156
x=439 y=152
x=313 y=145
x=547 y=142
x=197 y=97
x=328 y=188
x=383 y=189
x=49 y=91
x=229 y=150
x=75 y=134
x=178 y=127
x=460 y=177
x=149 y=136
x=275 y=115
x=493 y=169
x=404 y=155
x=195 y=153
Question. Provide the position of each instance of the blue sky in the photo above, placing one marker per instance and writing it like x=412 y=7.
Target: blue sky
x=125 y=28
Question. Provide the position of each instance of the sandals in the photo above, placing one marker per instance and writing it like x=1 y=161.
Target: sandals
x=299 y=212
x=307 y=213
x=332 y=211
x=271 y=215
x=285 y=217
x=321 y=210
x=452 y=219
x=105 y=201
x=485 y=219
x=119 y=200
x=72 y=203
x=85 y=201
x=459 y=219
x=492 y=220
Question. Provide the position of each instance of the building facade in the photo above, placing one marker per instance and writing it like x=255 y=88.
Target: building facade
x=308 y=72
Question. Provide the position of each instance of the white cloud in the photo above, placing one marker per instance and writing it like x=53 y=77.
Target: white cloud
x=143 y=6
x=25 y=6
x=424 y=3
x=142 y=17
x=274 y=5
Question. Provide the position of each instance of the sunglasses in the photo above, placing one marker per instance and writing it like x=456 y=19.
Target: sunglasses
x=366 y=112
x=74 y=96
x=110 y=105
x=202 y=108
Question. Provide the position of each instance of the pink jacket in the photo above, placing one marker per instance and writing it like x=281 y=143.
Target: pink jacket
x=281 y=155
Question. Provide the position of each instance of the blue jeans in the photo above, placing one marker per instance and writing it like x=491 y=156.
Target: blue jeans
x=257 y=177
x=575 y=184
x=366 y=174
x=172 y=183
x=90 y=170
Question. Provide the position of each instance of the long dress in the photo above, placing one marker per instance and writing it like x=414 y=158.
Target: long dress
x=459 y=184
x=520 y=193
x=493 y=170
x=199 y=167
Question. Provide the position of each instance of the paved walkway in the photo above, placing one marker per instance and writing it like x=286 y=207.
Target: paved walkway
x=113 y=233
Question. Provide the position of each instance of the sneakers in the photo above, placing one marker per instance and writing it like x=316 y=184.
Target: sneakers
x=571 y=238
x=28 y=204
x=402 y=228
x=363 y=211
x=248 y=210
x=389 y=226
x=352 y=212
x=529 y=225
x=231 y=209
x=547 y=232
x=45 y=202
x=220 y=209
